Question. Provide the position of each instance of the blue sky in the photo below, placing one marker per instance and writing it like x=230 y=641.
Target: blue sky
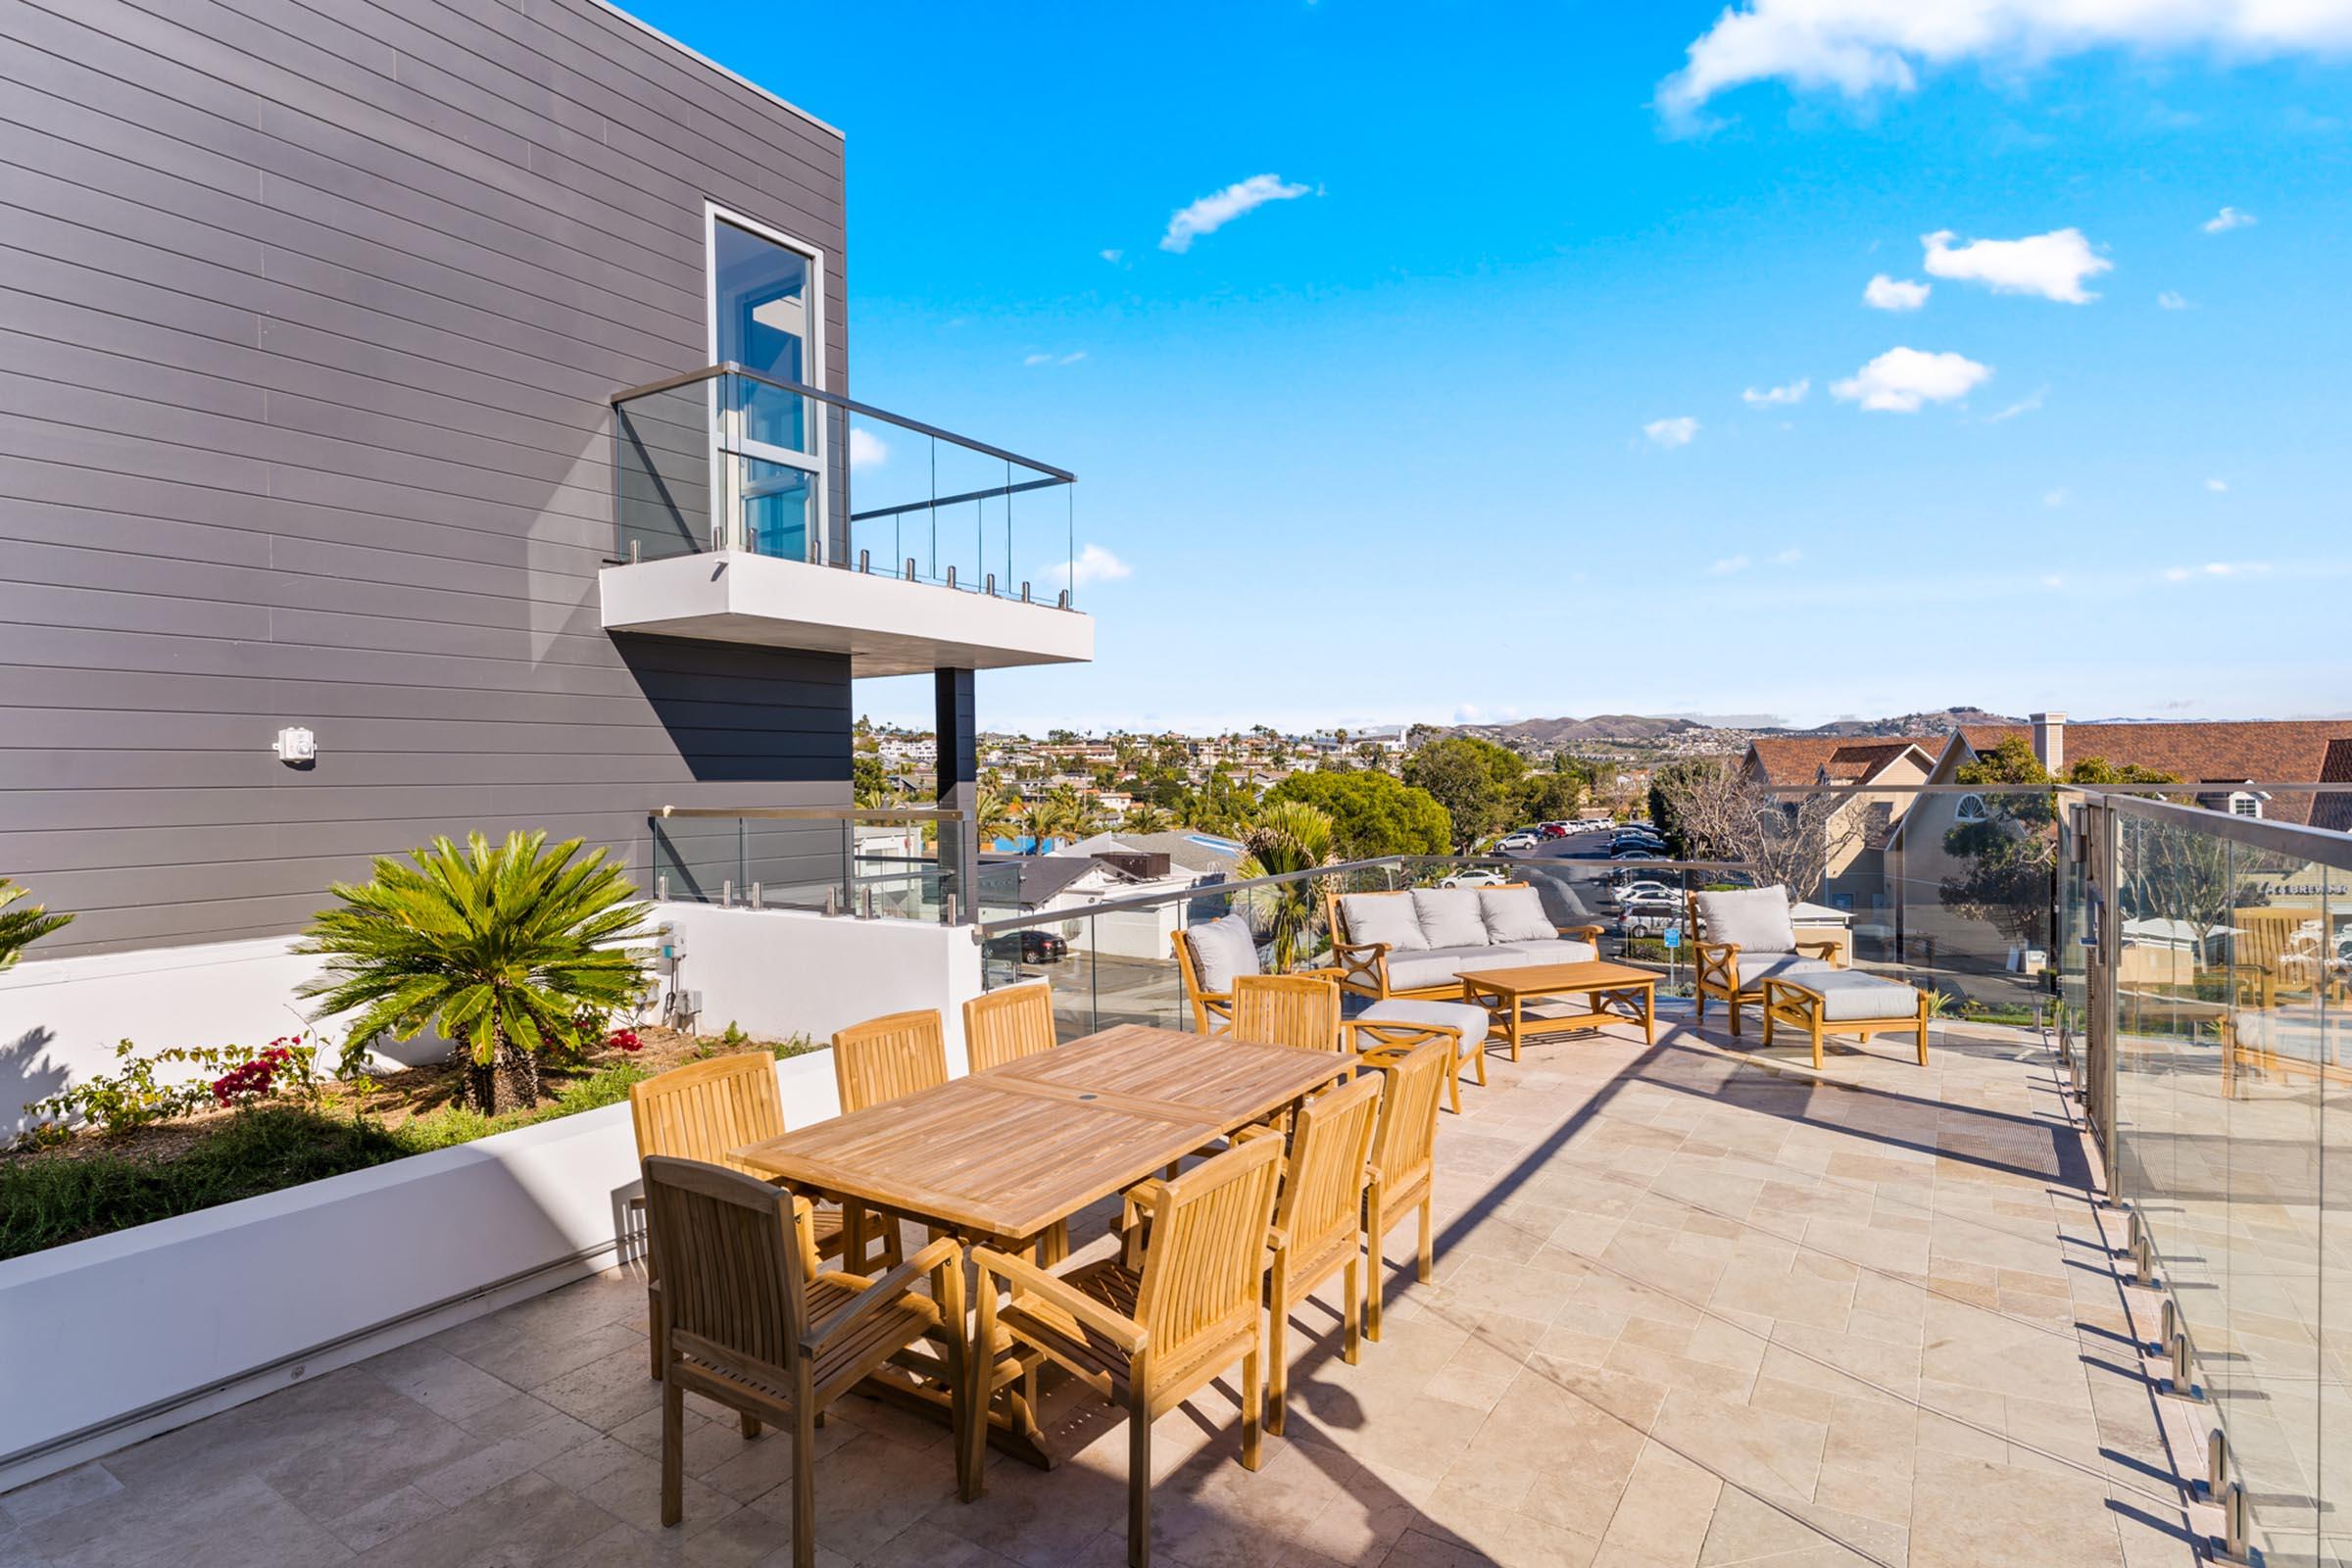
x=1408 y=445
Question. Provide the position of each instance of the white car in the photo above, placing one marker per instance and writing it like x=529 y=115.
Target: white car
x=1636 y=854
x=1513 y=843
x=1476 y=877
x=1646 y=889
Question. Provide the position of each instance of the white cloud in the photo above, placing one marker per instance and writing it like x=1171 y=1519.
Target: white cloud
x=2216 y=568
x=1778 y=395
x=1093 y=564
x=2024 y=404
x=2058 y=496
x=1054 y=358
x=1788 y=558
x=1677 y=432
x=2170 y=300
x=1113 y=255
x=866 y=449
x=1883 y=293
x=1899 y=380
x=1860 y=47
x=2227 y=219
x=1729 y=564
x=1213 y=213
x=2053 y=582
x=2052 y=265
x=2216 y=486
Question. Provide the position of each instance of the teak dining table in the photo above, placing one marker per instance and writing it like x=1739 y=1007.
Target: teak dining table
x=999 y=1157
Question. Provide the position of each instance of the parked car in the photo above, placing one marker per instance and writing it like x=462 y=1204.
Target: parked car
x=1640 y=888
x=1030 y=944
x=1514 y=843
x=1553 y=830
x=1475 y=876
x=1635 y=855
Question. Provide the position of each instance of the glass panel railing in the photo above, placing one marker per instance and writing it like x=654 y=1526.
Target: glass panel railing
x=874 y=864
x=726 y=459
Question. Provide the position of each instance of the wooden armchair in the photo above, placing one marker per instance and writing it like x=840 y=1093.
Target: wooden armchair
x=1716 y=969
x=756 y=1325
x=1286 y=1009
x=1153 y=1326
x=1320 y=1219
x=706 y=1110
x=1001 y=1027
x=1404 y=1161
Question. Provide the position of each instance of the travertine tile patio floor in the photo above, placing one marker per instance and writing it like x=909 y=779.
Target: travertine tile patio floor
x=1691 y=1308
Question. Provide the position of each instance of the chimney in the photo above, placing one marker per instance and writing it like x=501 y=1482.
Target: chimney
x=2049 y=741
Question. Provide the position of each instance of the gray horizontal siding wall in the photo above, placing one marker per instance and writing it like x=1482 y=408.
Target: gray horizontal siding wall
x=308 y=312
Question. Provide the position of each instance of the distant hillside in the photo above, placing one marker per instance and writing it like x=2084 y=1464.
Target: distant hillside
x=1686 y=736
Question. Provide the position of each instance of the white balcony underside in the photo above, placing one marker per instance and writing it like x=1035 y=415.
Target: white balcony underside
x=886 y=626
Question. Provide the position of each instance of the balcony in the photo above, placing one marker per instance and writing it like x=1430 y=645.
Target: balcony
x=732 y=496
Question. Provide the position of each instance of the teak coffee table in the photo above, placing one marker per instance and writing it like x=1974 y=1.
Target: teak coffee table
x=1503 y=992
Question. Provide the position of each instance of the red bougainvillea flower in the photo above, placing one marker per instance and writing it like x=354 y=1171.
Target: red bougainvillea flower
x=623 y=1040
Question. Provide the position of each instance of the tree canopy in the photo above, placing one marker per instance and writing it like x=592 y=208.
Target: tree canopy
x=1372 y=813
x=1475 y=780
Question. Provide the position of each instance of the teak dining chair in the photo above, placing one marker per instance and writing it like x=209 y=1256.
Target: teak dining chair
x=1151 y=1326
x=753 y=1324
x=1319 y=1222
x=1286 y=1010
x=885 y=1058
x=1001 y=1027
x=1403 y=1158
x=706 y=1110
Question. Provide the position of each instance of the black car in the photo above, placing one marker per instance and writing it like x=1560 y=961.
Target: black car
x=1029 y=946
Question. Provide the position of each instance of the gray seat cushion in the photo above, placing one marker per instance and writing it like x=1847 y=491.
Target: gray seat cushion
x=1754 y=971
x=1555 y=949
x=1444 y=966
x=1515 y=914
x=1756 y=919
x=1472 y=1023
x=1847 y=996
x=1222 y=950
x=1440 y=966
x=1449 y=917
x=1383 y=918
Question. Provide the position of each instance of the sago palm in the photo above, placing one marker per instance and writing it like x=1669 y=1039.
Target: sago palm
x=1289 y=836
x=498 y=949
x=22 y=928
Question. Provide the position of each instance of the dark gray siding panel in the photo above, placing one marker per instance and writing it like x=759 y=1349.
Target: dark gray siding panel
x=308 y=309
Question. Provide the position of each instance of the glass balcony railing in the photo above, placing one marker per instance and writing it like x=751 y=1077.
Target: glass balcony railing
x=879 y=864
x=726 y=459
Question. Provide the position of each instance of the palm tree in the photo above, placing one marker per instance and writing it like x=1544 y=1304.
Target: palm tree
x=498 y=950
x=1144 y=817
x=993 y=812
x=22 y=928
x=1066 y=814
x=1289 y=836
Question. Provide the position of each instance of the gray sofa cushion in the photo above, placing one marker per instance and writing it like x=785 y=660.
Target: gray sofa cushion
x=1754 y=971
x=1555 y=949
x=1222 y=950
x=1846 y=996
x=1515 y=914
x=1449 y=917
x=1383 y=918
x=1439 y=966
x=1756 y=919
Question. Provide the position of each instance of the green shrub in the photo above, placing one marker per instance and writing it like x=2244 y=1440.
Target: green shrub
x=137 y=1094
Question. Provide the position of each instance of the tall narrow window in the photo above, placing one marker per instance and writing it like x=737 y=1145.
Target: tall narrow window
x=762 y=299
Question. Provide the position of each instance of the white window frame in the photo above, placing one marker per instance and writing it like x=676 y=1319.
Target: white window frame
x=2245 y=803
x=1961 y=813
x=817 y=464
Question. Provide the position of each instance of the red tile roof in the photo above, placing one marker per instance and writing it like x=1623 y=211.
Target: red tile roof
x=1795 y=760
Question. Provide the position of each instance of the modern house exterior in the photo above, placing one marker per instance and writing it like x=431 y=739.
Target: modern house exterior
x=428 y=420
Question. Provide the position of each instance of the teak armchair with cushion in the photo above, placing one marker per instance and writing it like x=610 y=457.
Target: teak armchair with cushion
x=752 y=1323
x=1001 y=1027
x=1414 y=944
x=706 y=1110
x=1320 y=1219
x=1153 y=1326
x=1404 y=1161
x=1743 y=938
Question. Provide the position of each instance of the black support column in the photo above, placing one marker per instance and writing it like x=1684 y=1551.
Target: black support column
x=957 y=732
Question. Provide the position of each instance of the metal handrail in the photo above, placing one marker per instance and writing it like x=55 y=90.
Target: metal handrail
x=822 y=813
x=2318 y=845
x=850 y=405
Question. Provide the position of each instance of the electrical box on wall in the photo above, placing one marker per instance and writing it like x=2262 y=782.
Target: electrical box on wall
x=296 y=744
